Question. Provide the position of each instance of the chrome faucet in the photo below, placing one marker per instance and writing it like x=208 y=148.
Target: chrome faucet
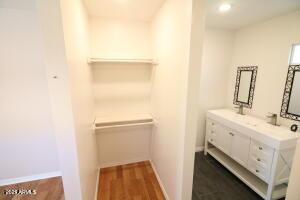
x=240 y=110
x=274 y=119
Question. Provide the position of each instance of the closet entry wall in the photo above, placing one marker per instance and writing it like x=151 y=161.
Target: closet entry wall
x=121 y=62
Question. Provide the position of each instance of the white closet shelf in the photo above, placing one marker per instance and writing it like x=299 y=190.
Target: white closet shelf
x=117 y=60
x=103 y=123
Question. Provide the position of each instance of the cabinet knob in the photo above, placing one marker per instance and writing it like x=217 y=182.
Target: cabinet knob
x=258 y=160
x=260 y=148
x=257 y=171
x=211 y=140
x=212 y=124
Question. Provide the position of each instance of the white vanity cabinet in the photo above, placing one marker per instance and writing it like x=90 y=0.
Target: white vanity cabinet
x=256 y=152
x=228 y=141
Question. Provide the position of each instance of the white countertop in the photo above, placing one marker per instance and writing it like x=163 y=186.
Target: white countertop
x=278 y=137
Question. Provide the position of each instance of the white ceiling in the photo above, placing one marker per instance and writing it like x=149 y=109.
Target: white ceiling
x=246 y=12
x=142 y=10
x=243 y=12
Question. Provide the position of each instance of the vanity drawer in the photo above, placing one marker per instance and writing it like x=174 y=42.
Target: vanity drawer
x=258 y=170
x=211 y=125
x=261 y=150
x=263 y=162
x=213 y=140
x=212 y=134
x=211 y=131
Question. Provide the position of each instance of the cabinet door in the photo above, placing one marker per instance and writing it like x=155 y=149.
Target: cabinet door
x=240 y=147
x=224 y=139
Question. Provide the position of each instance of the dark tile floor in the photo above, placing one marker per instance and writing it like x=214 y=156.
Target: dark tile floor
x=212 y=181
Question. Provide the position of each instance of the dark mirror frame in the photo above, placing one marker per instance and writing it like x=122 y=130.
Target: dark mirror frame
x=287 y=94
x=253 y=69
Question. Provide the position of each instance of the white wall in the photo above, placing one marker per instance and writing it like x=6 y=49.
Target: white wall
x=120 y=39
x=267 y=45
x=27 y=140
x=59 y=89
x=193 y=94
x=171 y=34
x=76 y=27
x=217 y=56
x=121 y=89
x=124 y=145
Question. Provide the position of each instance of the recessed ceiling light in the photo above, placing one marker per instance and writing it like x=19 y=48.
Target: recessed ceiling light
x=224 y=7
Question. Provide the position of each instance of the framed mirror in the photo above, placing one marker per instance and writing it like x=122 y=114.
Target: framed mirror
x=291 y=97
x=245 y=85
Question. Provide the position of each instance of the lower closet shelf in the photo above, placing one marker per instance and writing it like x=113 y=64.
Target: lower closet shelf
x=107 y=123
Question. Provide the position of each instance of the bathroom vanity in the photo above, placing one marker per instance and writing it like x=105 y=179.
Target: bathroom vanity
x=258 y=153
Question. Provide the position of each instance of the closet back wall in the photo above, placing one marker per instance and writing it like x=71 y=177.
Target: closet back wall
x=120 y=38
x=121 y=89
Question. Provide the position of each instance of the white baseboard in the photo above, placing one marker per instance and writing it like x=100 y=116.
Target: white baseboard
x=29 y=178
x=199 y=148
x=105 y=165
x=97 y=184
x=159 y=181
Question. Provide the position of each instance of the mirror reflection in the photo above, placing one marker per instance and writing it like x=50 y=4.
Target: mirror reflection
x=294 y=104
x=245 y=84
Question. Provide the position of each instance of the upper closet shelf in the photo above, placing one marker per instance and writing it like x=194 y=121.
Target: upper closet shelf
x=102 y=123
x=105 y=60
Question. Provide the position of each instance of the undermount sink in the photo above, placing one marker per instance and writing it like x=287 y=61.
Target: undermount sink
x=251 y=124
x=251 y=121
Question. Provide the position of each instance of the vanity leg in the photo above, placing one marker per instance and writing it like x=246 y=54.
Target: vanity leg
x=272 y=180
x=205 y=147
